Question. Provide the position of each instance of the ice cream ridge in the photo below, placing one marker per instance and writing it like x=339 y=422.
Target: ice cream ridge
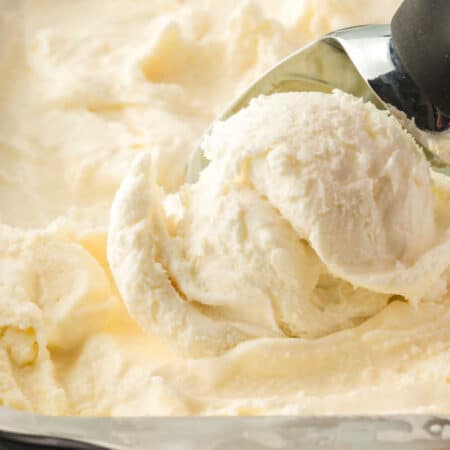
x=305 y=272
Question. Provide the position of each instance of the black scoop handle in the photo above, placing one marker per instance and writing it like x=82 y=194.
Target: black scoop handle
x=421 y=39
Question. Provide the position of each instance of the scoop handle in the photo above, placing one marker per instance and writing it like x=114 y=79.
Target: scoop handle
x=421 y=39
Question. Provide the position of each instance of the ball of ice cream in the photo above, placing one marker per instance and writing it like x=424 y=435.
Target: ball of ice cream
x=298 y=185
x=314 y=210
x=345 y=175
x=347 y=178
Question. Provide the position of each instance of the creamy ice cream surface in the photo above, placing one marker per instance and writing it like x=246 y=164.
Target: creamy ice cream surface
x=314 y=221
x=305 y=272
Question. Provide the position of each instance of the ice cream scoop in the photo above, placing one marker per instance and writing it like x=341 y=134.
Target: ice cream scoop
x=314 y=211
x=404 y=67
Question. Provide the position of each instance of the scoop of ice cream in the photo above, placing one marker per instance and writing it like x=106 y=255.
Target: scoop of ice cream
x=288 y=212
x=347 y=178
x=309 y=199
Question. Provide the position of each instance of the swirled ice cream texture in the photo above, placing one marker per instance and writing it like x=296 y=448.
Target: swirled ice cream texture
x=77 y=106
x=314 y=211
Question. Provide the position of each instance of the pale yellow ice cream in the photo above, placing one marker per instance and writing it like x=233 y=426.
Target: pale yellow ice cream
x=302 y=188
x=221 y=299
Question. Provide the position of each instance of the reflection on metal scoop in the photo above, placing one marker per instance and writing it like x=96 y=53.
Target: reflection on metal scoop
x=362 y=61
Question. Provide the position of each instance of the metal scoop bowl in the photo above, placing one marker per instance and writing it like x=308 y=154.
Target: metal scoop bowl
x=404 y=67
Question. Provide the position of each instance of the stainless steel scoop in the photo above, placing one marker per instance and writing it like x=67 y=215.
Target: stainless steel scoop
x=404 y=67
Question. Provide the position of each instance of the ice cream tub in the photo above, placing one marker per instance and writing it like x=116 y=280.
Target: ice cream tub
x=414 y=432
x=419 y=432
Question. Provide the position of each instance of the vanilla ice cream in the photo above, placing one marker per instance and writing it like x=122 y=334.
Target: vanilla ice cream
x=306 y=272
x=303 y=190
x=347 y=178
